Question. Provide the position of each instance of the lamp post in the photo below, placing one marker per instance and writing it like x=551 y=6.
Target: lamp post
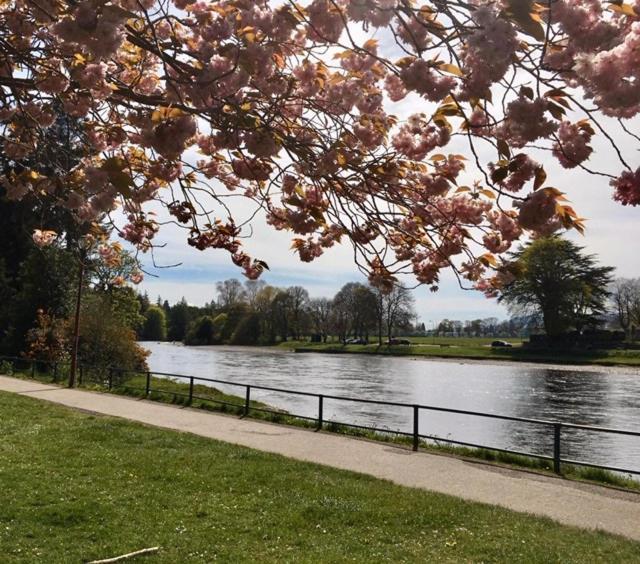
x=85 y=243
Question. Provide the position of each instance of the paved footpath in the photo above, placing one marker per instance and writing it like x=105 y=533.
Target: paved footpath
x=571 y=503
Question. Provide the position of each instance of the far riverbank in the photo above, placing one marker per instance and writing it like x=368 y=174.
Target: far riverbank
x=470 y=351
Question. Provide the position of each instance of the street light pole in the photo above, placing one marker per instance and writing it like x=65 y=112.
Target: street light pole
x=76 y=323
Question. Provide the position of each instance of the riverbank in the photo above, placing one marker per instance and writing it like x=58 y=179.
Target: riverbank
x=118 y=486
x=205 y=397
x=468 y=351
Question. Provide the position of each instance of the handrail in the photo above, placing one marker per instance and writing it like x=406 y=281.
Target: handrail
x=246 y=407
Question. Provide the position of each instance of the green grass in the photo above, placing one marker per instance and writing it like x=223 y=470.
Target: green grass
x=176 y=392
x=465 y=348
x=85 y=487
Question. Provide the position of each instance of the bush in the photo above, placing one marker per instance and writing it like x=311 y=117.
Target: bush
x=6 y=368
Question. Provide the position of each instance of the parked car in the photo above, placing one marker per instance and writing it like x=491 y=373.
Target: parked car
x=501 y=344
x=356 y=342
x=396 y=341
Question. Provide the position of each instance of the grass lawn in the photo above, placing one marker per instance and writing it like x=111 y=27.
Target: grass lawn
x=78 y=487
x=476 y=348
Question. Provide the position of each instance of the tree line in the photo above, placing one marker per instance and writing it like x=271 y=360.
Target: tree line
x=256 y=313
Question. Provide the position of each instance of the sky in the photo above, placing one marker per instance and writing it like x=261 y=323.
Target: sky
x=612 y=233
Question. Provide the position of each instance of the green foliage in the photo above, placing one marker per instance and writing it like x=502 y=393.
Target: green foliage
x=554 y=278
x=235 y=313
x=107 y=337
x=179 y=317
x=201 y=332
x=155 y=324
x=46 y=282
x=222 y=502
x=248 y=331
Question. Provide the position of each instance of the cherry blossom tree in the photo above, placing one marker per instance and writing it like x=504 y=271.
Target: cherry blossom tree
x=292 y=107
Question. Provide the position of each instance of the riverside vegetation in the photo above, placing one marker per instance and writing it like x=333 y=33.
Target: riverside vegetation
x=171 y=390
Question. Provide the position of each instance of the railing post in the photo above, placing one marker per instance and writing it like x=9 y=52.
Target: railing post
x=81 y=377
x=110 y=383
x=247 y=399
x=147 y=385
x=556 y=448
x=190 y=391
x=416 y=427
x=320 y=414
x=33 y=369
x=55 y=371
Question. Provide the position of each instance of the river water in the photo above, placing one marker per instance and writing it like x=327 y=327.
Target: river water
x=603 y=397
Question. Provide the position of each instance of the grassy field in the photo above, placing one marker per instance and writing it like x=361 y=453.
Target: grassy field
x=475 y=349
x=79 y=487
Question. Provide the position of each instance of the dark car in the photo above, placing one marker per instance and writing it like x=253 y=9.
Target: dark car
x=396 y=341
x=501 y=344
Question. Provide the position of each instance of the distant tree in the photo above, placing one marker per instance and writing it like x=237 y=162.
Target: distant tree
x=247 y=331
x=201 y=332
x=444 y=327
x=320 y=316
x=354 y=309
x=393 y=310
x=145 y=303
x=230 y=293
x=265 y=308
x=251 y=290
x=625 y=296
x=179 y=318
x=554 y=277
x=281 y=311
x=298 y=302
x=155 y=324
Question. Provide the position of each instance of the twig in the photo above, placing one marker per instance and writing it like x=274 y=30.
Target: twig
x=126 y=556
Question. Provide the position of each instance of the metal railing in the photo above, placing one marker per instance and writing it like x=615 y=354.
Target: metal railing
x=116 y=377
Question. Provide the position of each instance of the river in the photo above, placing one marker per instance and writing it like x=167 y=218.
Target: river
x=598 y=396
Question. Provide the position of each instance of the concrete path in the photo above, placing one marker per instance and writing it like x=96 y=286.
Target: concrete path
x=571 y=503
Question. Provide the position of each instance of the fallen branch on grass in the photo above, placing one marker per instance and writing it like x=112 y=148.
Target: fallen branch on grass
x=126 y=556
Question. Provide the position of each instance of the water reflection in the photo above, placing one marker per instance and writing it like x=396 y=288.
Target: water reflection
x=606 y=397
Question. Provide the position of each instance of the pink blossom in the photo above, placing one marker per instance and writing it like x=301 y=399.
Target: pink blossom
x=420 y=77
x=525 y=121
x=394 y=87
x=417 y=138
x=538 y=210
x=573 y=144
x=489 y=51
x=44 y=238
x=627 y=188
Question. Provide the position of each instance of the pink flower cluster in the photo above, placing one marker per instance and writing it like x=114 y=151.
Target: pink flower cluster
x=489 y=51
x=572 y=147
x=377 y=13
x=611 y=77
x=416 y=138
x=525 y=121
x=420 y=77
x=627 y=188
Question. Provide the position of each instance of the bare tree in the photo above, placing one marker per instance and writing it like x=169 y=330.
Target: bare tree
x=320 y=316
x=230 y=293
x=251 y=290
x=625 y=295
x=298 y=302
x=393 y=309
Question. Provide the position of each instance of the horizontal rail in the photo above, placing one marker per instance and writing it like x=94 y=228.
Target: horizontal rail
x=558 y=426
